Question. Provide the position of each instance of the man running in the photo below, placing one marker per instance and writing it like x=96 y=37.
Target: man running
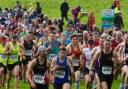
x=61 y=65
x=75 y=52
x=106 y=60
x=13 y=50
x=37 y=73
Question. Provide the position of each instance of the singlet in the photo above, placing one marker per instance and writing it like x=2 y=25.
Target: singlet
x=13 y=57
x=62 y=72
x=126 y=52
x=3 y=58
x=39 y=76
x=106 y=64
x=28 y=48
x=76 y=60
x=87 y=54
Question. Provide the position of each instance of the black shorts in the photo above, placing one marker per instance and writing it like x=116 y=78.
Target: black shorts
x=76 y=68
x=41 y=86
x=58 y=86
x=25 y=62
x=10 y=67
x=5 y=68
x=107 y=78
x=85 y=71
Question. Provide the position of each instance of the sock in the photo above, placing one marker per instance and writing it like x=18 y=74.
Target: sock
x=77 y=84
x=121 y=85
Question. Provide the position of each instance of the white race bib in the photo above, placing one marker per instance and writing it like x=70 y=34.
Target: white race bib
x=28 y=52
x=51 y=56
x=3 y=56
x=60 y=73
x=106 y=70
x=39 y=79
x=12 y=57
x=126 y=55
x=88 y=63
x=75 y=62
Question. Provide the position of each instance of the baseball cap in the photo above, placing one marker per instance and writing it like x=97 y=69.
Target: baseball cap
x=41 y=48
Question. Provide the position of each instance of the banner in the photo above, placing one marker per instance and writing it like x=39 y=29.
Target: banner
x=107 y=18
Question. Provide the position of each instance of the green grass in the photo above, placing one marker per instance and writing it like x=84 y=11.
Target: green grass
x=82 y=85
x=51 y=8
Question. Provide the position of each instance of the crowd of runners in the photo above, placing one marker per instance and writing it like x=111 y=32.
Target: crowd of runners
x=36 y=50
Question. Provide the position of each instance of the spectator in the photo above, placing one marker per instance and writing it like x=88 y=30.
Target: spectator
x=75 y=13
x=91 y=21
x=38 y=8
x=64 y=8
x=0 y=10
x=118 y=21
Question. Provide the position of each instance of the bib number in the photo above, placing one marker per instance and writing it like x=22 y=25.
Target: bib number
x=51 y=56
x=39 y=79
x=28 y=52
x=88 y=63
x=3 y=56
x=106 y=70
x=75 y=62
x=60 y=74
x=126 y=55
x=13 y=57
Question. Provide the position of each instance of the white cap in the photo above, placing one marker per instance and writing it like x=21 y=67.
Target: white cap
x=41 y=48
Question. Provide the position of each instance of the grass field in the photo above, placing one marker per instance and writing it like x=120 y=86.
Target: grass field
x=82 y=85
x=51 y=8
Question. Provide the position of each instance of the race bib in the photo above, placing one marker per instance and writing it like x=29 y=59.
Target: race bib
x=88 y=56
x=13 y=57
x=88 y=63
x=106 y=70
x=39 y=79
x=3 y=56
x=51 y=56
x=60 y=74
x=75 y=62
x=28 y=52
x=126 y=54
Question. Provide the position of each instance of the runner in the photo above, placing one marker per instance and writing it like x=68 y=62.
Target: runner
x=87 y=60
x=38 y=70
x=122 y=50
x=75 y=52
x=3 y=60
x=61 y=65
x=13 y=49
x=96 y=83
x=28 y=47
x=106 y=60
x=53 y=46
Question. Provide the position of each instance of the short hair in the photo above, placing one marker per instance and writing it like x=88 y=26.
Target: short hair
x=74 y=35
x=62 y=48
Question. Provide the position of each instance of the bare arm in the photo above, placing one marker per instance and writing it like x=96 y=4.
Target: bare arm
x=30 y=69
x=53 y=65
x=93 y=61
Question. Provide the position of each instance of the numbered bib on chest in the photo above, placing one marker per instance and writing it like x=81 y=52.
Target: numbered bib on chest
x=28 y=52
x=60 y=73
x=126 y=55
x=51 y=56
x=39 y=79
x=88 y=63
x=75 y=62
x=12 y=57
x=106 y=70
x=3 y=56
